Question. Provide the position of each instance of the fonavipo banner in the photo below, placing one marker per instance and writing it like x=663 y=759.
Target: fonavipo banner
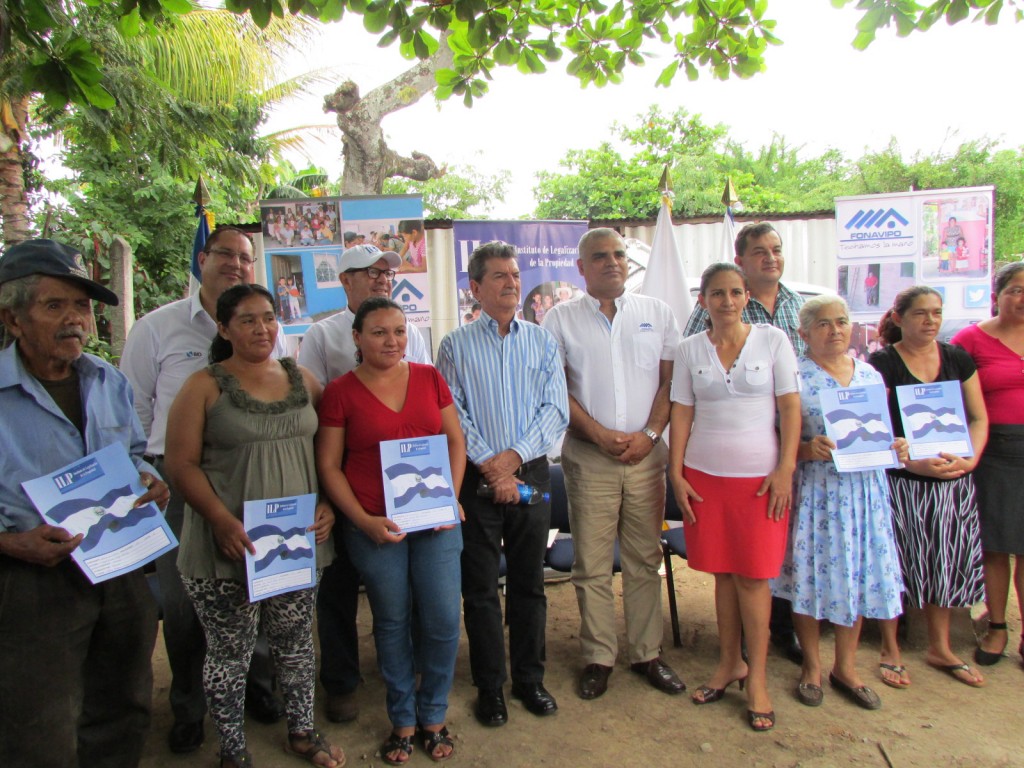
x=941 y=238
x=303 y=240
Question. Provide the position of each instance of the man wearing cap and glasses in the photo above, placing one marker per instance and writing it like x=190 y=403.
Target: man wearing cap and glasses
x=163 y=349
x=76 y=680
x=328 y=351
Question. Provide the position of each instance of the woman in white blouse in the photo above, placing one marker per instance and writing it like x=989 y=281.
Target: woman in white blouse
x=732 y=474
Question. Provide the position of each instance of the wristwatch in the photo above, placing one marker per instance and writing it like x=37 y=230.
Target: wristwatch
x=655 y=437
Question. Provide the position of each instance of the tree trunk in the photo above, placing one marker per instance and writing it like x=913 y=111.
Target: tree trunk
x=368 y=159
x=123 y=315
x=13 y=201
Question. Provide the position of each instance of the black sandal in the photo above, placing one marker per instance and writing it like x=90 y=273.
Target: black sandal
x=988 y=658
x=396 y=743
x=241 y=759
x=434 y=739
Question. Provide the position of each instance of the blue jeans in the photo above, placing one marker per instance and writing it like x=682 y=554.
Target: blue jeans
x=423 y=568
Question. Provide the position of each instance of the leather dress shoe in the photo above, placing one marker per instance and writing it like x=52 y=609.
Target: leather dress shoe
x=342 y=707
x=185 y=737
x=787 y=643
x=490 y=707
x=535 y=698
x=264 y=707
x=594 y=681
x=660 y=675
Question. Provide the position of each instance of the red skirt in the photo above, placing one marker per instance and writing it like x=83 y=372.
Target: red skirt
x=733 y=533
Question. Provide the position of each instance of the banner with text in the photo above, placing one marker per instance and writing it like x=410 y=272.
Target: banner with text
x=941 y=238
x=547 y=262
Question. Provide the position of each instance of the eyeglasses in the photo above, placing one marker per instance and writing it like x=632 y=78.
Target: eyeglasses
x=373 y=273
x=243 y=258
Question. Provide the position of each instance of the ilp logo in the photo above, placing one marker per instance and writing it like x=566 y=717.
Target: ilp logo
x=885 y=223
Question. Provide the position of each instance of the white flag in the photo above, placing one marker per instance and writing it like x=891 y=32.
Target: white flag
x=729 y=200
x=665 y=277
x=728 y=236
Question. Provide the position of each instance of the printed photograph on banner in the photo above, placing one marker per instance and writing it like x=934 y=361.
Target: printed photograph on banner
x=288 y=284
x=956 y=236
x=546 y=258
x=538 y=301
x=304 y=272
x=863 y=340
x=300 y=223
x=872 y=287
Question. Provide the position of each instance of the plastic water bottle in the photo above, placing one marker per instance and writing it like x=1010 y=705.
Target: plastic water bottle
x=527 y=493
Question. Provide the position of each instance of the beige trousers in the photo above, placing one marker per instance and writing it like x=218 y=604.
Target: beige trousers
x=607 y=501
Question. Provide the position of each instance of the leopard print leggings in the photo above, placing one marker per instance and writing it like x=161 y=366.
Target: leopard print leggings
x=230 y=622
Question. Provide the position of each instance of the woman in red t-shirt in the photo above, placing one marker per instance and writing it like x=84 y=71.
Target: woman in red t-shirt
x=997 y=347
x=387 y=398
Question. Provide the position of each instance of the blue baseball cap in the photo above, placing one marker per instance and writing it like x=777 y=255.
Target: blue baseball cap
x=52 y=259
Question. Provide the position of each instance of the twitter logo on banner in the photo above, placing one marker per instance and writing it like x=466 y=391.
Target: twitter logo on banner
x=976 y=295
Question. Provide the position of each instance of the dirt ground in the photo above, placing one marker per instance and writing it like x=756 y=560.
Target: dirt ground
x=936 y=722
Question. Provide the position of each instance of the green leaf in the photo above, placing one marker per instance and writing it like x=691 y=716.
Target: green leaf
x=506 y=53
x=130 y=24
x=957 y=11
x=668 y=73
x=447 y=77
x=177 y=6
x=375 y=21
x=863 y=40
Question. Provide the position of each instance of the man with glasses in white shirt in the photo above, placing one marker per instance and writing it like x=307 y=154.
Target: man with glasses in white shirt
x=163 y=349
x=328 y=351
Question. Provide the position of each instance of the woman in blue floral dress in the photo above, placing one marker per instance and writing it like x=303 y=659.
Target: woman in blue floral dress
x=841 y=560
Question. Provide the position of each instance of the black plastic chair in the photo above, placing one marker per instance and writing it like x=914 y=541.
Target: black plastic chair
x=673 y=542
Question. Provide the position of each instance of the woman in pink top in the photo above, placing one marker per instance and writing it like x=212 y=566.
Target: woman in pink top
x=997 y=347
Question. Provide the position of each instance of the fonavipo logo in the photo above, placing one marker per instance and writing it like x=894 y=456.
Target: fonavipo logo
x=872 y=224
x=406 y=292
x=889 y=218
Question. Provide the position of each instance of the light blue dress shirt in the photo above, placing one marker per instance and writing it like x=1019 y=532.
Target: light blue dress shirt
x=39 y=438
x=509 y=392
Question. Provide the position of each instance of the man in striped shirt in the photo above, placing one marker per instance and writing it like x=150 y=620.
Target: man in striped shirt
x=508 y=384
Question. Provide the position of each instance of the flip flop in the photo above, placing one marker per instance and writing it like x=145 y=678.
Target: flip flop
x=862 y=696
x=900 y=670
x=957 y=670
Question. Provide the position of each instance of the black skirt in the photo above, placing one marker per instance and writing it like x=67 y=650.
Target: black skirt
x=997 y=480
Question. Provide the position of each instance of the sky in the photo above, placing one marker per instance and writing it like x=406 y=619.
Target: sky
x=930 y=92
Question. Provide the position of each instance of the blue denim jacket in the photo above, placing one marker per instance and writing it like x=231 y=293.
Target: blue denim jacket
x=38 y=438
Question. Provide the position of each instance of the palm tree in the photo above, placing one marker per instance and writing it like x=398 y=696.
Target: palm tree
x=186 y=94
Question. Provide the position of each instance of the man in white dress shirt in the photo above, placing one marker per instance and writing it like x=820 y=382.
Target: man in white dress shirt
x=617 y=348
x=329 y=352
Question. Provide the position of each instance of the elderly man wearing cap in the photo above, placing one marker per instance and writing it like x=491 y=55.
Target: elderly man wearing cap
x=328 y=351
x=164 y=348
x=75 y=676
